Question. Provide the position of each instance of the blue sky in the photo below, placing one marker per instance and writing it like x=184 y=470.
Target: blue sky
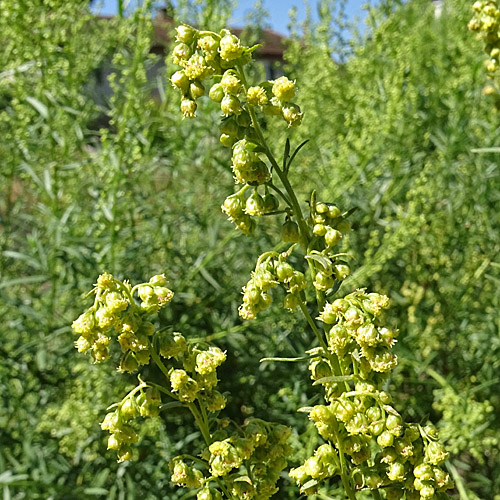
x=278 y=10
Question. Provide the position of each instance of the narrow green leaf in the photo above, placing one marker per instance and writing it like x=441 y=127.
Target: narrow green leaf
x=339 y=378
x=301 y=358
x=305 y=409
x=39 y=106
x=23 y=281
x=321 y=259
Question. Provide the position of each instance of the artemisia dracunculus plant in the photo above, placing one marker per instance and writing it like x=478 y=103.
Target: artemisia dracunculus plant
x=367 y=444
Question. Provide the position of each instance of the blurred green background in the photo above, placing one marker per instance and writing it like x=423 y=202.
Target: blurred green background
x=114 y=179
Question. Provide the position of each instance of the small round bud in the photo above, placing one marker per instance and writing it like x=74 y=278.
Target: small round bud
x=323 y=281
x=291 y=302
x=332 y=237
x=385 y=439
x=209 y=45
x=180 y=81
x=291 y=113
x=185 y=33
x=188 y=108
x=333 y=212
x=341 y=271
x=271 y=203
x=227 y=140
x=181 y=52
x=196 y=89
x=230 y=47
x=396 y=471
x=230 y=105
x=290 y=232
x=216 y=92
x=158 y=280
x=255 y=205
x=328 y=315
x=231 y=83
x=319 y=229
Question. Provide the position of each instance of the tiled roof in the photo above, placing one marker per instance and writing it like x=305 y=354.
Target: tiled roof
x=273 y=44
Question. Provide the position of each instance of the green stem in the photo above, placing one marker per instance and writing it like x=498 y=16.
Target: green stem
x=159 y=362
x=314 y=328
x=343 y=465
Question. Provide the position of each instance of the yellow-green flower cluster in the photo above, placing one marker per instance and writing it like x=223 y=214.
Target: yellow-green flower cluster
x=249 y=460
x=358 y=416
x=262 y=447
x=202 y=54
x=272 y=269
x=240 y=210
x=486 y=22
x=141 y=401
x=115 y=311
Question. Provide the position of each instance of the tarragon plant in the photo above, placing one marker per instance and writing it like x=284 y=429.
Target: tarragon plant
x=367 y=445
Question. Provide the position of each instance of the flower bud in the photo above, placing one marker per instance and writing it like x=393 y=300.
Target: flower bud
x=423 y=472
x=105 y=281
x=230 y=105
x=436 y=453
x=171 y=345
x=215 y=401
x=216 y=92
x=231 y=83
x=319 y=229
x=209 y=45
x=290 y=232
x=271 y=203
x=291 y=302
x=323 y=281
x=385 y=439
x=208 y=361
x=125 y=453
x=312 y=467
x=188 y=108
x=185 y=33
x=396 y=471
x=227 y=140
x=158 y=280
x=230 y=47
x=85 y=323
x=328 y=315
x=332 y=237
x=196 y=89
x=393 y=424
x=181 y=53
x=341 y=271
x=255 y=205
x=291 y=113
x=333 y=212
x=297 y=282
x=128 y=363
x=180 y=81
x=245 y=224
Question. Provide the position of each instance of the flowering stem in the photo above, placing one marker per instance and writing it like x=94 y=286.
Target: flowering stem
x=304 y=231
